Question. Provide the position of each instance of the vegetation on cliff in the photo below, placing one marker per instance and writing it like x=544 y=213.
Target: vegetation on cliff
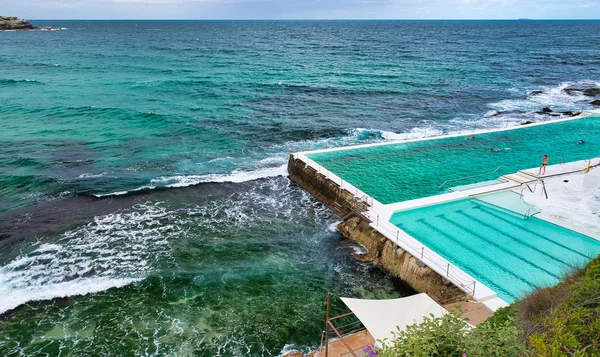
x=563 y=320
x=14 y=23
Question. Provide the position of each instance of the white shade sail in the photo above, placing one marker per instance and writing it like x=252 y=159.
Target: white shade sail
x=381 y=317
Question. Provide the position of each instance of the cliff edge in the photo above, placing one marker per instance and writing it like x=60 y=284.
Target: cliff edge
x=13 y=23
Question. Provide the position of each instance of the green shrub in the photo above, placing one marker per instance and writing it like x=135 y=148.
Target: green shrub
x=503 y=314
x=452 y=336
x=498 y=337
x=572 y=328
x=560 y=321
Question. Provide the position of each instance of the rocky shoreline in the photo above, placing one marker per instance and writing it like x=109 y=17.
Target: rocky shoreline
x=11 y=23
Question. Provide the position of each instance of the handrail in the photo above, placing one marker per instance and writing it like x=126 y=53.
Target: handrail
x=398 y=237
x=467 y=177
x=532 y=191
x=421 y=252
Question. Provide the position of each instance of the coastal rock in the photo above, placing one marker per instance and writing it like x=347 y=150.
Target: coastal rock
x=294 y=353
x=507 y=112
x=13 y=23
x=545 y=110
x=568 y=113
x=589 y=90
x=527 y=122
x=536 y=92
x=398 y=262
x=595 y=102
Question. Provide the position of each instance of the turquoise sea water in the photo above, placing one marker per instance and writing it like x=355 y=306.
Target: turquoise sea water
x=399 y=172
x=144 y=208
x=508 y=253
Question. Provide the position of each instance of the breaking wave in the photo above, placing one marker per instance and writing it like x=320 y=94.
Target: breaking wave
x=112 y=251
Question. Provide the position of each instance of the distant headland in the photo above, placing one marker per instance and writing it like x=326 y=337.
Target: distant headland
x=14 y=23
x=11 y=23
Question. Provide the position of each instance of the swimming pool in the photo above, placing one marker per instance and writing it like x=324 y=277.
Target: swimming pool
x=498 y=247
x=404 y=171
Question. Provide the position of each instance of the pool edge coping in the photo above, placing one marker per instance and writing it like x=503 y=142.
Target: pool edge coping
x=583 y=115
x=481 y=292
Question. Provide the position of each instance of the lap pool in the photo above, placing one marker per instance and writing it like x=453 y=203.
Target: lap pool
x=504 y=250
x=409 y=170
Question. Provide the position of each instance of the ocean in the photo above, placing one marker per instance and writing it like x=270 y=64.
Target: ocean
x=144 y=204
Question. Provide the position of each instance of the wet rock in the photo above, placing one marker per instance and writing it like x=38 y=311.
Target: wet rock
x=507 y=112
x=569 y=113
x=545 y=110
x=527 y=122
x=536 y=92
x=589 y=90
x=595 y=102
x=13 y=23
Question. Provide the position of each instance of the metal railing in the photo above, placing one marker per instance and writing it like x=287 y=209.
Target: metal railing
x=470 y=177
x=397 y=236
x=357 y=193
x=535 y=187
x=400 y=239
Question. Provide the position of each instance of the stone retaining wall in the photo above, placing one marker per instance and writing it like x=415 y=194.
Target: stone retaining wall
x=380 y=250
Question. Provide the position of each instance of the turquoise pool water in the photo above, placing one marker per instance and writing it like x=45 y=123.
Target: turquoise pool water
x=404 y=171
x=509 y=254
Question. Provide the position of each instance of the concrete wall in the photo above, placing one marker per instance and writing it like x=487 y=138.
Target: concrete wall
x=328 y=192
x=397 y=262
x=380 y=250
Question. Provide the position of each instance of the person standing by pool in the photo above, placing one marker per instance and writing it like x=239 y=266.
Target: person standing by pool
x=543 y=165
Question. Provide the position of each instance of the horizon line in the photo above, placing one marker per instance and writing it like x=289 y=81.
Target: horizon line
x=292 y=19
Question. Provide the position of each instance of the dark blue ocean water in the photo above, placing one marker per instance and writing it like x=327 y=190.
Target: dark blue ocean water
x=142 y=165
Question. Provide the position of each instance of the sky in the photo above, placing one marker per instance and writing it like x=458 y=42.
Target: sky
x=301 y=9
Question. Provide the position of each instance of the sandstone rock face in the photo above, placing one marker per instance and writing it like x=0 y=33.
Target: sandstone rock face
x=359 y=231
x=380 y=250
x=398 y=262
x=13 y=23
x=320 y=187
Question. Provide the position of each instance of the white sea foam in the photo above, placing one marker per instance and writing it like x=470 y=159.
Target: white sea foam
x=287 y=348
x=360 y=249
x=88 y=175
x=274 y=160
x=554 y=97
x=235 y=176
x=333 y=226
x=113 y=251
x=50 y=291
x=512 y=112
x=226 y=158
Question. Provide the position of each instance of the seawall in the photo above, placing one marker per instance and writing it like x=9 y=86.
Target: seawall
x=357 y=227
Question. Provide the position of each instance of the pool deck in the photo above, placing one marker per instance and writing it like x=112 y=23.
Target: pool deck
x=379 y=214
